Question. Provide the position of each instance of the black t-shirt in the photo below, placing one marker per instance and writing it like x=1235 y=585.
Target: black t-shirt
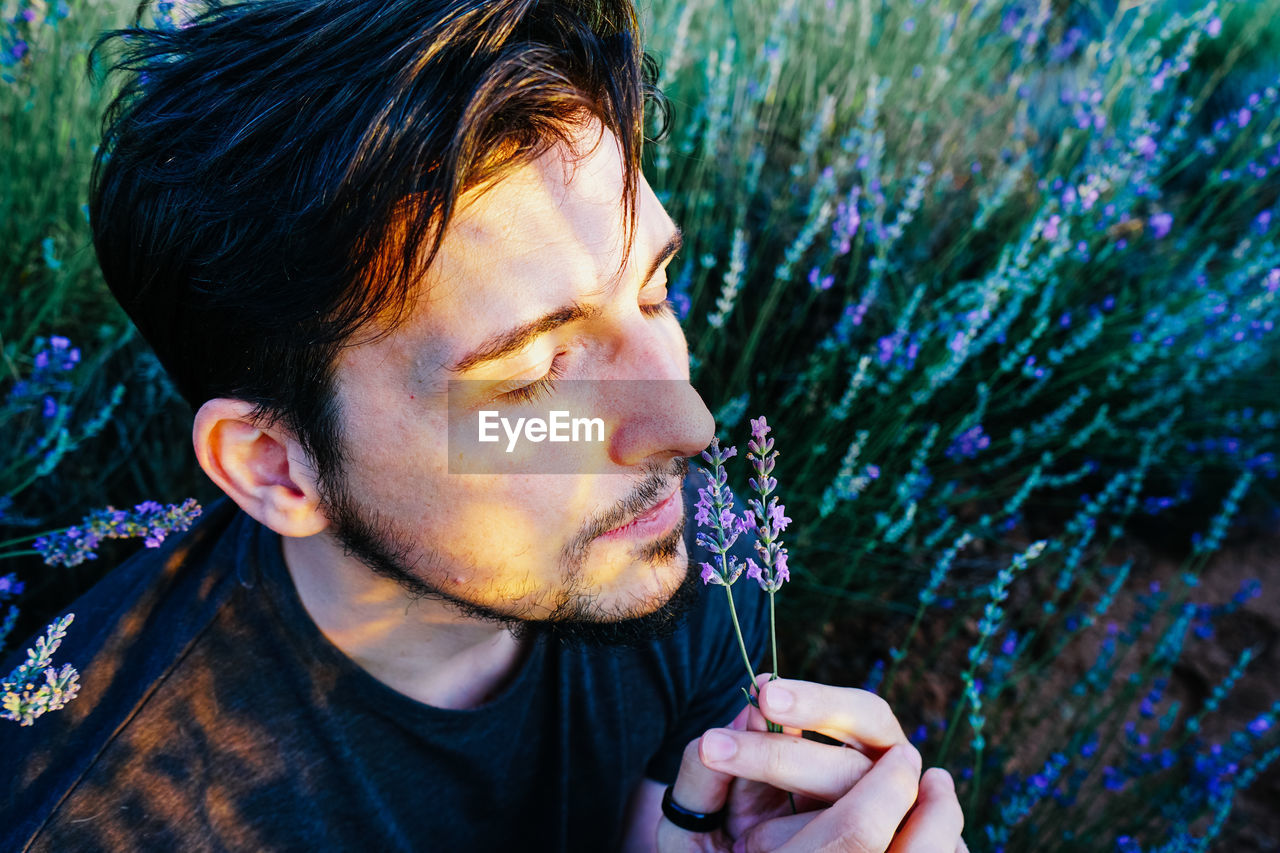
x=214 y=715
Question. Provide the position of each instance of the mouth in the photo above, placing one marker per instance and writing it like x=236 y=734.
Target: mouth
x=655 y=521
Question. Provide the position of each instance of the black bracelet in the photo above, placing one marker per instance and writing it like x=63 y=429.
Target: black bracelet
x=690 y=820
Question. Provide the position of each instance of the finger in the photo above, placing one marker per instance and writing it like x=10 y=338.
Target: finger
x=868 y=816
x=698 y=787
x=750 y=719
x=936 y=821
x=771 y=835
x=788 y=762
x=856 y=717
x=758 y=721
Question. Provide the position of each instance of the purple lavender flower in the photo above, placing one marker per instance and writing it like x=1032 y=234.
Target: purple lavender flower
x=1161 y=223
x=885 y=347
x=714 y=511
x=1051 y=227
x=769 y=516
x=1067 y=47
x=10 y=586
x=52 y=362
x=846 y=223
x=820 y=282
x=969 y=443
x=148 y=520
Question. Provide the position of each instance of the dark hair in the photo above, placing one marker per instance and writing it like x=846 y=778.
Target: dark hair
x=275 y=175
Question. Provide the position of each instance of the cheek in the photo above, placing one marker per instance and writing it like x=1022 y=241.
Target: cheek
x=491 y=528
x=503 y=544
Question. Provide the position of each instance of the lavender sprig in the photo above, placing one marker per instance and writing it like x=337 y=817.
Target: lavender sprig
x=149 y=520
x=36 y=687
x=714 y=511
x=766 y=517
x=769 y=519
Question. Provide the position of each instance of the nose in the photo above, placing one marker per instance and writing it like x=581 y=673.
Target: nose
x=660 y=419
x=659 y=413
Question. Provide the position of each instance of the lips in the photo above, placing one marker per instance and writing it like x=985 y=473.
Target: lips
x=656 y=519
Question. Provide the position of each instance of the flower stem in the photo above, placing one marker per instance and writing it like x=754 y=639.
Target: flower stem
x=31 y=537
x=773 y=637
x=737 y=630
x=906 y=644
x=773 y=641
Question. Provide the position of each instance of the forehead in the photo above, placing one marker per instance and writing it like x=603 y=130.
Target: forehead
x=564 y=206
x=546 y=233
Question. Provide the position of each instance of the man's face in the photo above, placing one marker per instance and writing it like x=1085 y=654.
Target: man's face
x=543 y=246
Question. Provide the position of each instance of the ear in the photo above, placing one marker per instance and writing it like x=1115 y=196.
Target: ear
x=263 y=469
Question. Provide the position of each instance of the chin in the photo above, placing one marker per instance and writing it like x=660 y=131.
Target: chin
x=634 y=617
x=642 y=579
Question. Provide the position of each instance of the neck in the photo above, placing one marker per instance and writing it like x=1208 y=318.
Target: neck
x=419 y=647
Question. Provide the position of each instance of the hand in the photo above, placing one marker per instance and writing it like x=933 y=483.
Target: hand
x=866 y=795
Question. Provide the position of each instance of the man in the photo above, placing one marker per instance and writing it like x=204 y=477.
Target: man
x=344 y=226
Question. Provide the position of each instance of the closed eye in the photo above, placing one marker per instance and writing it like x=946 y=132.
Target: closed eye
x=544 y=387
x=537 y=389
x=657 y=309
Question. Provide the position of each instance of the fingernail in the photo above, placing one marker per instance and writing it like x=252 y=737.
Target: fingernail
x=779 y=698
x=718 y=747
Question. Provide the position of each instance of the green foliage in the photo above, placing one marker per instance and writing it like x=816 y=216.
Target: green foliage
x=51 y=104
x=1006 y=261
x=52 y=110
x=80 y=396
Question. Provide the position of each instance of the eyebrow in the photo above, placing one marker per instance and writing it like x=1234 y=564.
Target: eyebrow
x=512 y=341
